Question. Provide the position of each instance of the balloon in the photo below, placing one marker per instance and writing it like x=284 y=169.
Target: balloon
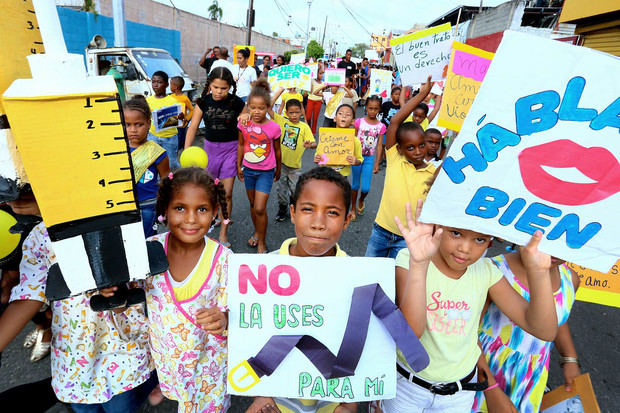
x=8 y=241
x=194 y=157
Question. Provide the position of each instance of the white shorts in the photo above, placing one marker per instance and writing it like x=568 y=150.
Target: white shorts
x=411 y=398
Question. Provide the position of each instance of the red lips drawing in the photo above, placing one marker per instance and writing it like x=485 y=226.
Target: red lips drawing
x=596 y=163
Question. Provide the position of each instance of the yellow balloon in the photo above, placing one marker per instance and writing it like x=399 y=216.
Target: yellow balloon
x=194 y=156
x=8 y=241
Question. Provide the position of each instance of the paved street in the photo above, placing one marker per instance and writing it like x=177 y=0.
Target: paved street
x=595 y=328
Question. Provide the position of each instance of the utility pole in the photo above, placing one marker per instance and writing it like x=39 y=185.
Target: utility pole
x=308 y=28
x=324 y=30
x=120 y=33
x=250 y=23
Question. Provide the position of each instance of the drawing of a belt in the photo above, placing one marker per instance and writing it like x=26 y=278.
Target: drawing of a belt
x=365 y=299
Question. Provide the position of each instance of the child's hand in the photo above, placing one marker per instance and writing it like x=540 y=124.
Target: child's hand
x=375 y=169
x=276 y=175
x=307 y=144
x=499 y=402
x=570 y=371
x=244 y=118
x=317 y=158
x=212 y=320
x=181 y=116
x=263 y=405
x=351 y=159
x=534 y=260
x=240 y=173
x=426 y=88
x=420 y=240
x=108 y=292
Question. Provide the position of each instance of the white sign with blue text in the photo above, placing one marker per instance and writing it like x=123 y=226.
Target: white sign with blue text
x=539 y=150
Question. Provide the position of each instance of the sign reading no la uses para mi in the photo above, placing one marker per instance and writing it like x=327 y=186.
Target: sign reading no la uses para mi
x=539 y=150
x=286 y=311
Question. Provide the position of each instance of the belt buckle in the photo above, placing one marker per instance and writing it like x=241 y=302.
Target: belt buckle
x=442 y=389
x=249 y=372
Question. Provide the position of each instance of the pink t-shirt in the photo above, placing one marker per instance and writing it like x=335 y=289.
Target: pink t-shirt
x=368 y=134
x=258 y=140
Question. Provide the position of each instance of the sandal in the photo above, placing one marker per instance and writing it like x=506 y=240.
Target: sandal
x=253 y=242
x=31 y=338
x=360 y=209
x=41 y=348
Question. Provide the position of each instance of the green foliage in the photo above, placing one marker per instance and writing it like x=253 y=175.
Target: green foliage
x=314 y=50
x=215 y=11
x=275 y=34
x=288 y=53
x=359 y=49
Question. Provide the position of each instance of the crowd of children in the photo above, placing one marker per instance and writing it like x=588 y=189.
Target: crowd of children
x=490 y=355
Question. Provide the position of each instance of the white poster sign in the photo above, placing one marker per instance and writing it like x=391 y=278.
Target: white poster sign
x=276 y=298
x=423 y=53
x=380 y=82
x=298 y=58
x=539 y=150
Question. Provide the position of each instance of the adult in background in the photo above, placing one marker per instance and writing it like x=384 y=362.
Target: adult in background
x=266 y=65
x=244 y=74
x=363 y=77
x=279 y=61
x=223 y=61
x=347 y=64
x=207 y=62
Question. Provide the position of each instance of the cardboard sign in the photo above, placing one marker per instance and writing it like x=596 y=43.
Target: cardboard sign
x=274 y=296
x=252 y=53
x=288 y=76
x=335 y=144
x=423 y=53
x=380 y=82
x=314 y=69
x=468 y=66
x=539 y=150
x=167 y=117
x=298 y=59
x=335 y=77
x=581 y=399
x=597 y=287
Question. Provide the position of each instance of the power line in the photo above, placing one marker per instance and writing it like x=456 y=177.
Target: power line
x=355 y=18
x=285 y=16
x=283 y=8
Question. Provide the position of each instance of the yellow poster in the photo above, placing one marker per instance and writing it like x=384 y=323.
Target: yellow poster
x=20 y=36
x=335 y=144
x=597 y=287
x=239 y=47
x=76 y=154
x=468 y=66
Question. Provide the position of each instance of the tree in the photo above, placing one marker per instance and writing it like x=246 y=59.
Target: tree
x=359 y=49
x=314 y=50
x=215 y=11
x=275 y=34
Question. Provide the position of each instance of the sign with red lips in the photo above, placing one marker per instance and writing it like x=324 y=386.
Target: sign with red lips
x=539 y=150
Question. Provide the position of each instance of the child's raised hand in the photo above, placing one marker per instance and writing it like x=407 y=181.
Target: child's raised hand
x=420 y=240
x=212 y=320
x=534 y=260
x=426 y=88
x=244 y=118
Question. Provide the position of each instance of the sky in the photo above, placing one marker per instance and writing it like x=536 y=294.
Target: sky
x=343 y=27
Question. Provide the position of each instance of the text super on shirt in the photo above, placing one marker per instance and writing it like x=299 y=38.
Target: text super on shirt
x=220 y=117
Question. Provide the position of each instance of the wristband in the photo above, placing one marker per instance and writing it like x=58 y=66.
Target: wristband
x=492 y=386
x=564 y=360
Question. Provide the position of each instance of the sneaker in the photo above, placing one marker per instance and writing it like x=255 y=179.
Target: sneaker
x=282 y=214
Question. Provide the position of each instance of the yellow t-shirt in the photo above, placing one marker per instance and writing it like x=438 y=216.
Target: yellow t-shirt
x=302 y=405
x=345 y=170
x=315 y=86
x=286 y=96
x=188 y=108
x=452 y=318
x=424 y=123
x=195 y=280
x=292 y=140
x=157 y=103
x=403 y=183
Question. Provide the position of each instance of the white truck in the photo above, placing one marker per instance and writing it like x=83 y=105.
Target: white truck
x=136 y=66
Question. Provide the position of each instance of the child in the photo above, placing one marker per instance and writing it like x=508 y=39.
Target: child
x=259 y=160
x=405 y=179
x=344 y=119
x=100 y=360
x=441 y=288
x=332 y=99
x=389 y=109
x=434 y=142
x=350 y=97
x=518 y=361
x=314 y=100
x=291 y=93
x=296 y=138
x=166 y=138
x=320 y=213
x=176 y=87
x=148 y=158
x=219 y=110
x=369 y=131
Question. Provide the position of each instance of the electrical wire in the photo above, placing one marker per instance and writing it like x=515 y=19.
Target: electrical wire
x=354 y=18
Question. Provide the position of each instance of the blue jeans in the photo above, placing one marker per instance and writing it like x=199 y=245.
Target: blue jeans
x=127 y=402
x=362 y=174
x=171 y=145
x=148 y=219
x=383 y=243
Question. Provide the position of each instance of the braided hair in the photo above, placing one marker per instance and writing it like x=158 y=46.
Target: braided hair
x=139 y=104
x=218 y=73
x=196 y=176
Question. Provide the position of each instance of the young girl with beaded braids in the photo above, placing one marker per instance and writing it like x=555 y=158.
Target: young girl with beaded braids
x=187 y=307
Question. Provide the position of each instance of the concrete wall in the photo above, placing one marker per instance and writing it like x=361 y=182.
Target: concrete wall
x=197 y=33
x=503 y=17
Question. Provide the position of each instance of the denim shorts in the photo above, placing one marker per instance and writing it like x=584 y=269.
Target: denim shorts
x=260 y=181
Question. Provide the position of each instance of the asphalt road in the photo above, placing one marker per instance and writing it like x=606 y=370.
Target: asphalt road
x=595 y=328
